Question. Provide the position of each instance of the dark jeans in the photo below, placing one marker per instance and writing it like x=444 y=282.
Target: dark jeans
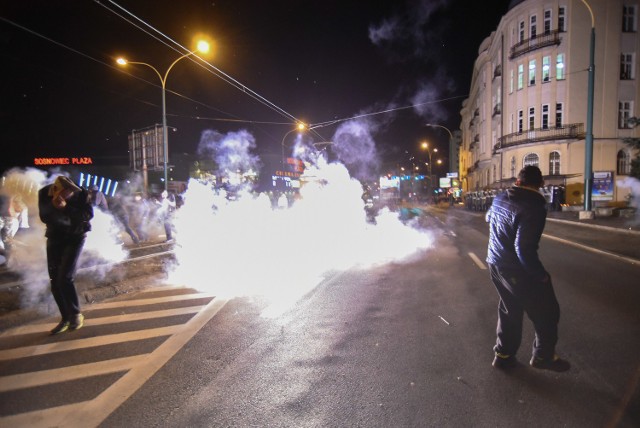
x=62 y=258
x=519 y=293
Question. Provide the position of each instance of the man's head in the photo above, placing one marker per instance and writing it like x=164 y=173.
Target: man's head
x=530 y=176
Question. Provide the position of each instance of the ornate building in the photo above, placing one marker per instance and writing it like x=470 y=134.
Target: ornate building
x=528 y=99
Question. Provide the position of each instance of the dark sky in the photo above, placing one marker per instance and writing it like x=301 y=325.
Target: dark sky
x=63 y=95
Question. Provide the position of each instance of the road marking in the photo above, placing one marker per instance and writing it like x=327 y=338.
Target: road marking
x=69 y=345
x=90 y=321
x=593 y=250
x=97 y=410
x=477 y=261
x=64 y=374
x=150 y=301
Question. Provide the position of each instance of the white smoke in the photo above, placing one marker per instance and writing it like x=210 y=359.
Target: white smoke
x=354 y=146
x=633 y=185
x=245 y=247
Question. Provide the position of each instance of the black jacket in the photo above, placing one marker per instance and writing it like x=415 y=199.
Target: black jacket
x=73 y=221
x=517 y=218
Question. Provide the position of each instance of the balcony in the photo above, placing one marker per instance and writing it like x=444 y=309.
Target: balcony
x=574 y=131
x=473 y=168
x=533 y=43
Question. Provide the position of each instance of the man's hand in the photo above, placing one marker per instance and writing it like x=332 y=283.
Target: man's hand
x=60 y=200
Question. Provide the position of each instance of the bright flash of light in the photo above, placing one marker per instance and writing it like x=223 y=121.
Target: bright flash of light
x=246 y=247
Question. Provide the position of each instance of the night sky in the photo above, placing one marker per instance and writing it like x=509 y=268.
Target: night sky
x=316 y=61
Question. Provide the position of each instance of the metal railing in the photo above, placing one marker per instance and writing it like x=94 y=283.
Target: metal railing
x=533 y=43
x=570 y=131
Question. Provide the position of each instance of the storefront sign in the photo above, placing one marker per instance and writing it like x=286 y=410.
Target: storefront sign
x=62 y=161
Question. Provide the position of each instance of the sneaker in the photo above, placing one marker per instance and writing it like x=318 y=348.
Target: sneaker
x=555 y=364
x=502 y=361
x=60 y=328
x=77 y=323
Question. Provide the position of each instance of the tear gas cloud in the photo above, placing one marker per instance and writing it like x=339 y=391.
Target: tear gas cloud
x=249 y=246
x=354 y=146
x=633 y=184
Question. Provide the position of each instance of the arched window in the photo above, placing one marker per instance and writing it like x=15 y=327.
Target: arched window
x=494 y=174
x=624 y=163
x=554 y=163
x=531 y=159
x=513 y=167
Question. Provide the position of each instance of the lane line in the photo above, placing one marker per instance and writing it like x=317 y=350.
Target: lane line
x=477 y=261
x=64 y=374
x=69 y=345
x=88 y=322
x=593 y=250
x=41 y=417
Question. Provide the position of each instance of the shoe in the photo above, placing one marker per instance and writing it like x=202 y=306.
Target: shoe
x=502 y=361
x=77 y=323
x=60 y=328
x=555 y=364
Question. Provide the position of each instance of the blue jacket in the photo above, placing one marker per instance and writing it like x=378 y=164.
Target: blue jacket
x=516 y=219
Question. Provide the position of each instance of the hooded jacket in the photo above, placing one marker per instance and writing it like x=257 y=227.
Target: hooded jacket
x=516 y=219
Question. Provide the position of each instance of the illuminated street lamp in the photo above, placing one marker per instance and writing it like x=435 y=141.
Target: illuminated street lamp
x=425 y=146
x=202 y=47
x=300 y=127
x=452 y=167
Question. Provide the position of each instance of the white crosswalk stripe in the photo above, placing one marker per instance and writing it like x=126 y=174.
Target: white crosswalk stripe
x=20 y=346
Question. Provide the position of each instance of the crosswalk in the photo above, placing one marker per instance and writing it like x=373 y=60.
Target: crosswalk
x=79 y=378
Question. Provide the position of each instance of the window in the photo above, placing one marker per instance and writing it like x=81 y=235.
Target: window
x=532 y=118
x=532 y=72
x=545 y=116
x=627 y=70
x=554 y=163
x=533 y=30
x=521 y=32
x=520 y=121
x=513 y=167
x=629 y=19
x=624 y=163
x=558 y=115
x=495 y=174
x=562 y=22
x=547 y=21
x=511 y=82
x=520 y=76
x=560 y=67
x=531 y=159
x=546 y=69
x=625 y=111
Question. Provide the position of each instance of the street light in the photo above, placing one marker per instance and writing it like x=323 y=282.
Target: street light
x=425 y=146
x=202 y=47
x=301 y=126
x=588 y=142
x=452 y=167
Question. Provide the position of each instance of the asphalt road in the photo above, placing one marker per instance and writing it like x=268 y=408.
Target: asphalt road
x=401 y=345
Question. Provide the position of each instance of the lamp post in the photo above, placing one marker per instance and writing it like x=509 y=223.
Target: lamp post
x=425 y=146
x=452 y=167
x=299 y=127
x=588 y=142
x=203 y=47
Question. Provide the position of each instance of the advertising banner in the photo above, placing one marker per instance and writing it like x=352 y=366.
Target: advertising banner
x=602 y=186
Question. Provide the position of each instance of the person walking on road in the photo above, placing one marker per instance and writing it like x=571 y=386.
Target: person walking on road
x=66 y=210
x=517 y=218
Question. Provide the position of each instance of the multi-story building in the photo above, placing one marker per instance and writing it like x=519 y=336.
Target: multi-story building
x=528 y=99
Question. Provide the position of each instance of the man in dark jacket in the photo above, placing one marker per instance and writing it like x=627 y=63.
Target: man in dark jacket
x=517 y=218
x=66 y=210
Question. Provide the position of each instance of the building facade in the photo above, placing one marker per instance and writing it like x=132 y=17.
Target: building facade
x=527 y=103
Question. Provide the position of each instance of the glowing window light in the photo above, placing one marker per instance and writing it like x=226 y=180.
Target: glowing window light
x=115 y=186
x=81 y=179
x=106 y=190
x=101 y=183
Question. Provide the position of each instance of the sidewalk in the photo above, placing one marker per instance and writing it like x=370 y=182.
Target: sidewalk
x=622 y=220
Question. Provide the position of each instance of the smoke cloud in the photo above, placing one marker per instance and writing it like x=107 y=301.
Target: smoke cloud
x=248 y=247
